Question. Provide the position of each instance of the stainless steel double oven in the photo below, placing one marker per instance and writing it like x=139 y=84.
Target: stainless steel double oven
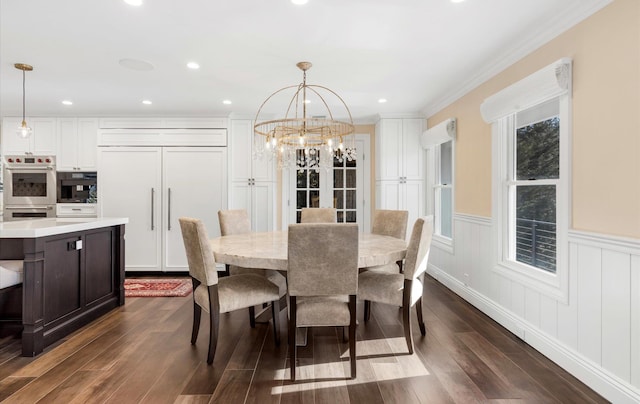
x=29 y=187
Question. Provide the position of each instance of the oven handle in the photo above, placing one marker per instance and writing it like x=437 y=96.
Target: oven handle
x=153 y=193
x=50 y=168
x=48 y=207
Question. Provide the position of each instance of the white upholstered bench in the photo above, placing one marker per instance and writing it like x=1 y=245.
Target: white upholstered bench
x=10 y=273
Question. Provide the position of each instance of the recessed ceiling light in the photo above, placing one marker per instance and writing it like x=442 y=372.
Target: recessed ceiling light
x=382 y=100
x=226 y=102
x=67 y=102
x=299 y=2
x=147 y=102
x=133 y=2
x=457 y=1
x=193 y=65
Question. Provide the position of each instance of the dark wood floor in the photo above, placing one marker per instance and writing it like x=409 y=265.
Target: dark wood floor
x=141 y=353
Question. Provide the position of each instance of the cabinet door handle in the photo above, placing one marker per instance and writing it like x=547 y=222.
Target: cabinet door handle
x=169 y=208
x=153 y=194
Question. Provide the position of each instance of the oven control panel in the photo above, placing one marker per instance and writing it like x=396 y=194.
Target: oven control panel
x=31 y=161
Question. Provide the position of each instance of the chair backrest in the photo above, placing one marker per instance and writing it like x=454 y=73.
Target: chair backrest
x=415 y=262
x=390 y=223
x=234 y=221
x=202 y=265
x=323 y=259
x=318 y=215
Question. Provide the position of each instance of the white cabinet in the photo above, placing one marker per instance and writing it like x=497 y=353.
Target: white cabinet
x=153 y=187
x=251 y=181
x=400 y=170
x=77 y=144
x=41 y=141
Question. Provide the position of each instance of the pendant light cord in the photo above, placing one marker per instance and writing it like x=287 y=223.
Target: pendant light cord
x=23 y=97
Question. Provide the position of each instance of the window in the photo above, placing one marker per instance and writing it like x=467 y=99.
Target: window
x=443 y=190
x=531 y=179
x=533 y=183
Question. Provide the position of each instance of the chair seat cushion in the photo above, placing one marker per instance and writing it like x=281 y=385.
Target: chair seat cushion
x=274 y=276
x=320 y=311
x=238 y=292
x=381 y=287
x=391 y=268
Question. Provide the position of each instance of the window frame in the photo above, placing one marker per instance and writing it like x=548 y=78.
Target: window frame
x=504 y=135
x=435 y=187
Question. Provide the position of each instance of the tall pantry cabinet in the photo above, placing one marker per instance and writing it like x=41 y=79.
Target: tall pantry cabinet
x=252 y=180
x=155 y=185
x=400 y=167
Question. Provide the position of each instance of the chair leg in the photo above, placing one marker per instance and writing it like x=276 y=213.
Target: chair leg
x=197 y=312
x=275 y=313
x=252 y=317
x=214 y=323
x=406 y=314
x=419 y=313
x=213 y=337
x=367 y=310
x=352 y=334
x=292 y=336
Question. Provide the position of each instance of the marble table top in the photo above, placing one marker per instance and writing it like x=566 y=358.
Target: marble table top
x=268 y=250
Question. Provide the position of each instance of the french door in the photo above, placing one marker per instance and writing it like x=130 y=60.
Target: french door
x=344 y=186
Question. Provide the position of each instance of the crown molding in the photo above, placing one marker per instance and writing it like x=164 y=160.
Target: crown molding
x=535 y=40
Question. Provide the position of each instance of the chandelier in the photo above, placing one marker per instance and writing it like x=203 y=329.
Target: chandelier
x=23 y=130
x=298 y=140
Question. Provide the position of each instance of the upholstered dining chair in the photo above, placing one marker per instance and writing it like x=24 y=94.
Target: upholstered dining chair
x=236 y=221
x=323 y=281
x=392 y=223
x=401 y=289
x=221 y=295
x=318 y=215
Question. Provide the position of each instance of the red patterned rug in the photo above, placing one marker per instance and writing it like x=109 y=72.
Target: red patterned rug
x=163 y=287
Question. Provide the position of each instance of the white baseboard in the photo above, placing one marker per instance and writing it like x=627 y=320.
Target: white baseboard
x=608 y=385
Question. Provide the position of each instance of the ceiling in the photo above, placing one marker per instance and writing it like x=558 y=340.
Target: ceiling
x=418 y=54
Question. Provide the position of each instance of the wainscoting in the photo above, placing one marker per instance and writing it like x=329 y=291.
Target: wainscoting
x=596 y=336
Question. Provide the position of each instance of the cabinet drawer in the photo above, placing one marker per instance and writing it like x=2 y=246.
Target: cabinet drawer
x=77 y=210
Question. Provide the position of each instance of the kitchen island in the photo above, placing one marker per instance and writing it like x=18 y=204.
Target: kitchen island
x=73 y=273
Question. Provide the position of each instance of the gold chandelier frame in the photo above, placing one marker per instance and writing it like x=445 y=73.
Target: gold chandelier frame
x=296 y=131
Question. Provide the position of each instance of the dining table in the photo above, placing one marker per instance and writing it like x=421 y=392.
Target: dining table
x=268 y=250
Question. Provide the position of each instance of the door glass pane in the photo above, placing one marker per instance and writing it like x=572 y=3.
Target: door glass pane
x=338 y=178
x=351 y=199
x=338 y=200
x=314 y=179
x=301 y=178
x=351 y=178
x=301 y=199
x=351 y=216
x=536 y=226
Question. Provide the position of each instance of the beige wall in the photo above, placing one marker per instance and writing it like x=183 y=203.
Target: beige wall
x=605 y=190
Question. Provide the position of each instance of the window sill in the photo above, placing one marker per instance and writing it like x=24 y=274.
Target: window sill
x=549 y=284
x=443 y=243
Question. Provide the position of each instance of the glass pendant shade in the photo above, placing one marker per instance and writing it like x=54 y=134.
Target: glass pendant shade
x=24 y=131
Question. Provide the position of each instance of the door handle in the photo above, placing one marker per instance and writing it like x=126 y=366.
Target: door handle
x=153 y=194
x=169 y=209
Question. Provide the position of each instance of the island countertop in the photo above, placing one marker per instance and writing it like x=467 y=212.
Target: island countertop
x=52 y=226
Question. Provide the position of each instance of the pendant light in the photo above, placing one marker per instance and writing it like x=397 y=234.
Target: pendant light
x=23 y=131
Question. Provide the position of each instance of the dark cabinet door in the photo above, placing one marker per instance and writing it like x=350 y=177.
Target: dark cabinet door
x=62 y=277
x=99 y=266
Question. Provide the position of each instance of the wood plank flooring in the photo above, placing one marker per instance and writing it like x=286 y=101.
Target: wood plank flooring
x=140 y=353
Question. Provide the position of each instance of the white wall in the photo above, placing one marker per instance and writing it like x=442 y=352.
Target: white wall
x=596 y=336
